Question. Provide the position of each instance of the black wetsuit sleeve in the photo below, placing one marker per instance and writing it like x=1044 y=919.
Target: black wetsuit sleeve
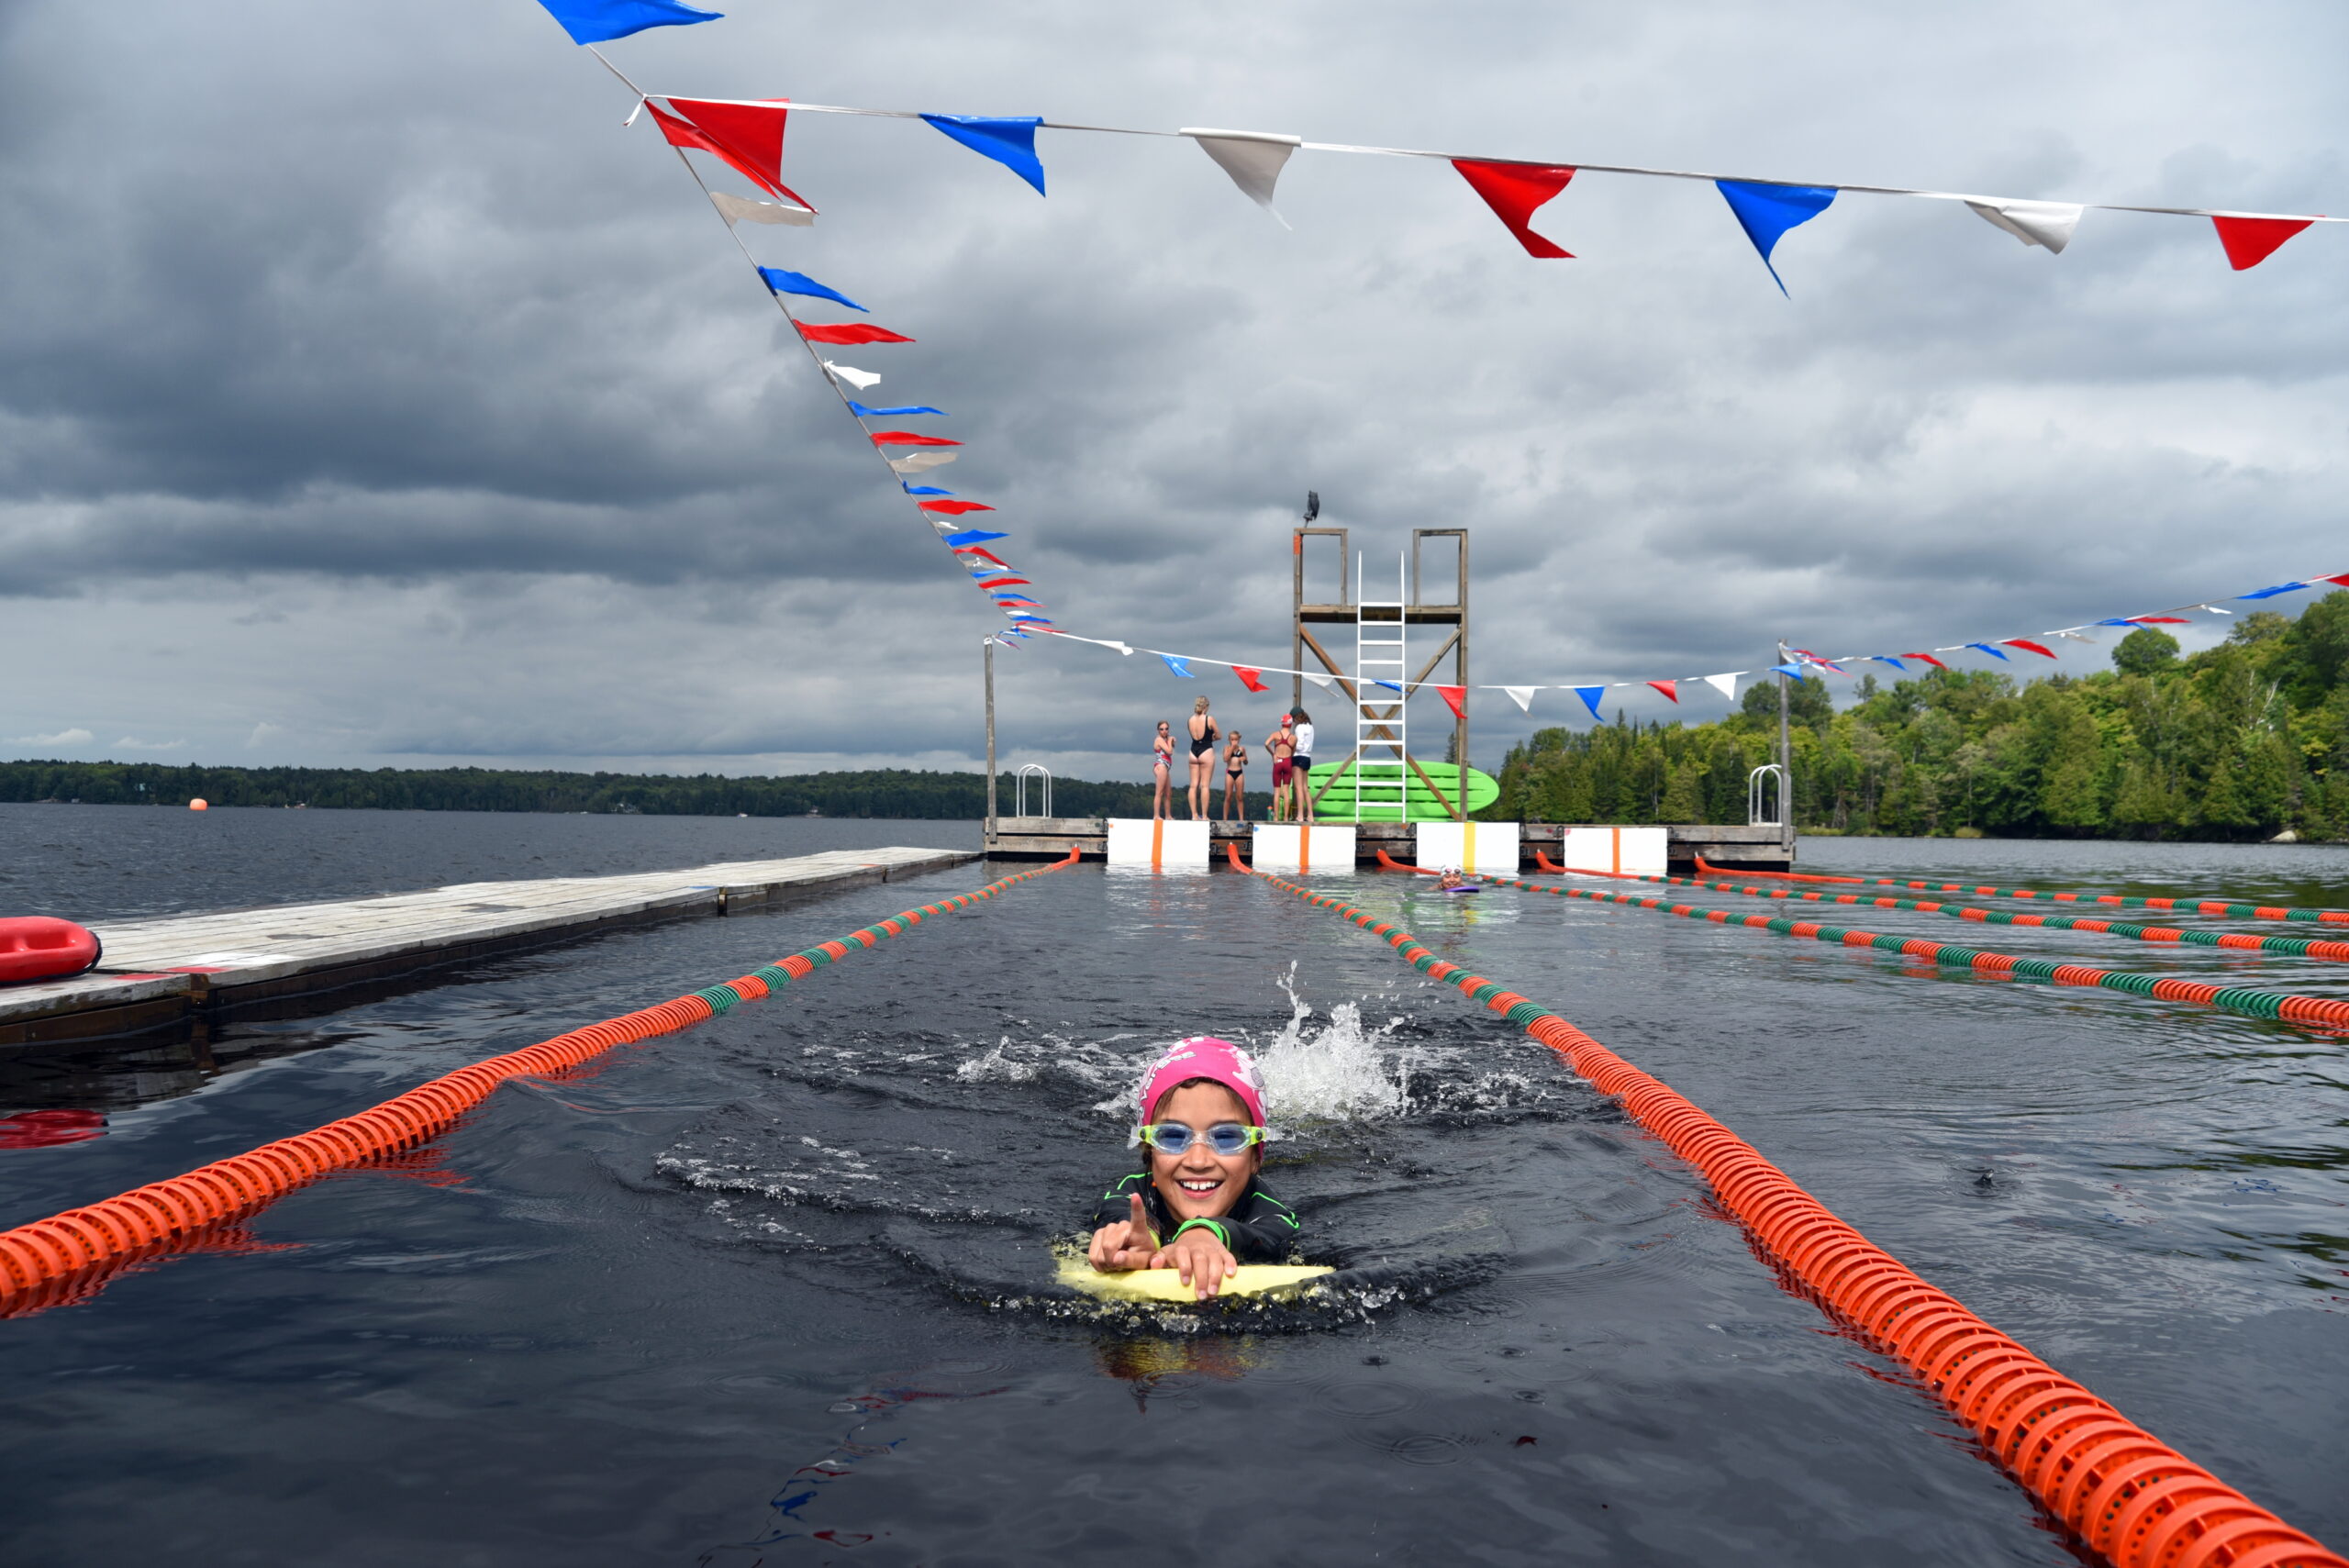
x=1116 y=1206
x=1259 y=1230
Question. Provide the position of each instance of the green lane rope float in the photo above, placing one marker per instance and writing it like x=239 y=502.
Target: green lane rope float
x=73 y=1255
x=2125 y=1495
x=2297 y=947
x=2193 y=906
x=2322 y=1011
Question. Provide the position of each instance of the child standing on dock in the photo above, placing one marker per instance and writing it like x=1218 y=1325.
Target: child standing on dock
x=1283 y=746
x=1196 y=1207
x=1300 y=766
x=1235 y=778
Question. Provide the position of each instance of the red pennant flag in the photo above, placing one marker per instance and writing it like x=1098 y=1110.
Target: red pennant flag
x=848 y=332
x=975 y=550
x=2342 y=578
x=1669 y=688
x=1456 y=698
x=1010 y=604
x=2251 y=240
x=907 y=439
x=956 y=508
x=2157 y=620
x=1513 y=191
x=1928 y=659
x=1003 y=581
x=747 y=136
x=2025 y=643
x=1252 y=679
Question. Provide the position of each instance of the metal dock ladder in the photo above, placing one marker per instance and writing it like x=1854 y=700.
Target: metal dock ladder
x=1382 y=772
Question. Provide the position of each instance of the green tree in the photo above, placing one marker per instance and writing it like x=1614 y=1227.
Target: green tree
x=2145 y=652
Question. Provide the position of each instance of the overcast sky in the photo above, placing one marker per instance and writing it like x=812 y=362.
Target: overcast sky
x=369 y=397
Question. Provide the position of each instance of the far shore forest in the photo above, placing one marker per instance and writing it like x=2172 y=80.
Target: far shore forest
x=2244 y=741
x=2240 y=743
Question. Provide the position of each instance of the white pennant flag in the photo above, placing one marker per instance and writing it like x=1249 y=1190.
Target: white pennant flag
x=2048 y=223
x=1725 y=685
x=918 y=462
x=1522 y=696
x=742 y=209
x=1320 y=681
x=1253 y=158
x=856 y=378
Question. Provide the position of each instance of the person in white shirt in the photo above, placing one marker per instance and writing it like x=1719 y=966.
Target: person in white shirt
x=1300 y=766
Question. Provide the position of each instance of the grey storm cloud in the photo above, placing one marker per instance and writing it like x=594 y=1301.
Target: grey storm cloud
x=368 y=394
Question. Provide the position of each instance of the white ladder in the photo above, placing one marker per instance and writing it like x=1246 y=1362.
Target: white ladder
x=1382 y=775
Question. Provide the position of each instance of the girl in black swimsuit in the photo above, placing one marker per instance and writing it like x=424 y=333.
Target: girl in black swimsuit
x=1235 y=778
x=1203 y=738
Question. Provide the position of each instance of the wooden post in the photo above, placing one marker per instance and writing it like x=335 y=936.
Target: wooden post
x=1785 y=769
x=988 y=644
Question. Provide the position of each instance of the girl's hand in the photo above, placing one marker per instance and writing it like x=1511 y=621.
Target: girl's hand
x=1129 y=1245
x=1204 y=1261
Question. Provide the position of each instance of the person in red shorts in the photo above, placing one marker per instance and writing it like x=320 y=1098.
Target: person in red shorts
x=1283 y=746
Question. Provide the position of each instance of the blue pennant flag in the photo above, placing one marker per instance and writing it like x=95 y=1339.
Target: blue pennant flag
x=1986 y=649
x=861 y=412
x=1180 y=666
x=782 y=282
x=1765 y=212
x=1887 y=658
x=1797 y=671
x=2271 y=593
x=2113 y=621
x=600 y=21
x=1009 y=139
x=1589 y=695
x=970 y=536
x=924 y=489
x=1390 y=685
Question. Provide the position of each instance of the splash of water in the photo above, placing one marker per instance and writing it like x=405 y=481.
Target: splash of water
x=1337 y=1071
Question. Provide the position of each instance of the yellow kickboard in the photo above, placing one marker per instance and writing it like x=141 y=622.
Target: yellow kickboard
x=1166 y=1285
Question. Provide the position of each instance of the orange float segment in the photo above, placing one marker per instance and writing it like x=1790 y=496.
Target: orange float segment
x=2119 y=1489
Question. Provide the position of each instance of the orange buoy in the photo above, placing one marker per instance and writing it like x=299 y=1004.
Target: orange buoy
x=199 y=804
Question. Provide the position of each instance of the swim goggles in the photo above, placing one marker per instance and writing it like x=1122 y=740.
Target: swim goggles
x=1225 y=1138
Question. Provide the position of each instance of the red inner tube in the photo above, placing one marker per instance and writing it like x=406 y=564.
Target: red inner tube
x=36 y=947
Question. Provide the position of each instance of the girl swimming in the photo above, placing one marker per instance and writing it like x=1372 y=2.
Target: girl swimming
x=1196 y=1206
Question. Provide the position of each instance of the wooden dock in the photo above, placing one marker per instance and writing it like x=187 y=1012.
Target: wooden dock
x=160 y=972
x=1738 y=848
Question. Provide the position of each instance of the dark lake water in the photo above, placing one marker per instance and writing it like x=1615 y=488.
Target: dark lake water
x=772 y=1291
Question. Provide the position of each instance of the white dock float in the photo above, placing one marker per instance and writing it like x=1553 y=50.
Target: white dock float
x=1303 y=846
x=159 y=970
x=1635 y=852
x=1469 y=846
x=1133 y=842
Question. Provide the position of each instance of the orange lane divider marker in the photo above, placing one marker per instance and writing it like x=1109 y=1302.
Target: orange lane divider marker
x=2125 y=1494
x=2318 y=1010
x=2299 y=947
x=69 y=1256
x=2198 y=907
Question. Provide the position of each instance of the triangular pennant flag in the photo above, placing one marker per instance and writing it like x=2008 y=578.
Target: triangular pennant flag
x=1889 y=659
x=1928 y=659
x=861 y=412
x=2271 y=593
x=600 y=21
x=999 y=580
x=1589 y=695
x=1797 y=671
x=1513 y=191
x=1986 y=649
x=1180 y=666
x=2045 y=224
x=1669 y=688
x=1456 y=698
x=921 y=489
x=956 y=508
x=1326 y=683
x=749 y=137
x=848 y=332
x=1725 y=685
x=1009 y=139
x=779 y=281
x=2251 y=240
x=1016 y=601
x=2025 y=643
x=1522 y=696
x=742 y=209
x=909 y=439
x=970 y=537
x=919 y=462
x=1253 y=158
x=1251 y=678
x=968 y=545
x=1766 y=211
x=856 y=378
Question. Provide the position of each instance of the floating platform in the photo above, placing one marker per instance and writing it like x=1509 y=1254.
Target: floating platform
x=1735 y=848
x=160 y=972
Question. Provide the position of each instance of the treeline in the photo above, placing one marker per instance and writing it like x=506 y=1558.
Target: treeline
x=894 y=792
x=2242 y=741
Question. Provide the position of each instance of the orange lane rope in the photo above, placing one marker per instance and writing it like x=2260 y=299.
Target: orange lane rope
x=2129 y=1497
x=71 y=1255
x=2299 y=947
x=2322 y=1012
x=2199 y=907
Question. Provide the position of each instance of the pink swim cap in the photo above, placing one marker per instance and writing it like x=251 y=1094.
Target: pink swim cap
x=1206 y=1057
